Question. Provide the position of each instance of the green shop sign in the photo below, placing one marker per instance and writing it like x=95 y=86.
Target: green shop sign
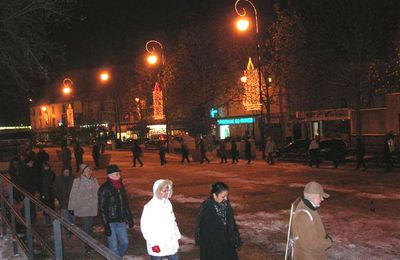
x=236 y=121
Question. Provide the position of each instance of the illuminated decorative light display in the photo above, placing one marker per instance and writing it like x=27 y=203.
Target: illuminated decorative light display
x=70 y=116
x=158 y=103
x=251 y=97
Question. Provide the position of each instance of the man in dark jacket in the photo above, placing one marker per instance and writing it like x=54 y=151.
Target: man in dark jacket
x=162 y=152
x=136 y=153
x=185 y=152
x=96 y=154
x=42 y=157
x=203 y=155
x=78 y=152
x=247 y=150
x=66 y=157
x=114 y=211
x=234 y=152
x=61 y=189
x=360 y=153
x=47 y=195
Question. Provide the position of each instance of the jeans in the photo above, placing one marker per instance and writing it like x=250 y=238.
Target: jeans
x=118 y=241
x=71 y=218
x=169 y=257
x=87 y=223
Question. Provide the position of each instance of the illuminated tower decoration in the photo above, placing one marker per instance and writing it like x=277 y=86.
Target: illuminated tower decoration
x=158 y=103
x=251 y=97
x=70 y=116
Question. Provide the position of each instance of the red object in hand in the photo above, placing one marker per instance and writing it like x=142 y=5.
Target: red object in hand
x=156 y=249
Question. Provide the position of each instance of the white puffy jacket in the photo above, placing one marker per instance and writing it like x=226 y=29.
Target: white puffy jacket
x=158 y=222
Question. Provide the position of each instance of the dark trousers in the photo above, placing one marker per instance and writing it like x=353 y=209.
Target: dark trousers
x=162 y=159
x=361 y=161
x=270 y=158
x=185 y=156
x=79 y=161
x=388 y=162
x=314 y=157
x=248 y=158
x=137 y=158
x=204 y=157
x=234 y=155
x=224 y=159
x=87 y=223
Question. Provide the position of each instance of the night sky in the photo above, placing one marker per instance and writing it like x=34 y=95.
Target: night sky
x=100 y=33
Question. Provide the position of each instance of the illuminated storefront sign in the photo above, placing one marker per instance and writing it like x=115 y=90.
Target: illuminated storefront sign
x=236 y=121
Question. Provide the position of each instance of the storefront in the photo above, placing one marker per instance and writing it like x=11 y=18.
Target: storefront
x=235 y=127
x=329 y=123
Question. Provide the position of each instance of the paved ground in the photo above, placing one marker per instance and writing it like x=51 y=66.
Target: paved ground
x=261 y=197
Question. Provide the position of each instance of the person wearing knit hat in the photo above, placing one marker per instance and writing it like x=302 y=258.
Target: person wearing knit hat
x=83 y=199
x=114 y=211
x=310 y=238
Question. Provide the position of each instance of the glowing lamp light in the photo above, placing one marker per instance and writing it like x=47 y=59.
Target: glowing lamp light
x=243 y=79
x=152 y=59
x=67 y=90
x=242 y=24
x=104 y=76
x=44 y=108
x=269 y=79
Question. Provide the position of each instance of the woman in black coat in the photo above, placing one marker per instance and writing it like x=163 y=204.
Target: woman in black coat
x=216 y=230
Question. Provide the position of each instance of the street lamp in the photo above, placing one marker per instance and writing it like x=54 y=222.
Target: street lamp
x=242 y=25
x=152 y=59
x=104 y=76
x=67 y=86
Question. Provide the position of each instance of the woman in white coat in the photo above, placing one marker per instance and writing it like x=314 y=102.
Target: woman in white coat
x=158 y=223
x=83 y=199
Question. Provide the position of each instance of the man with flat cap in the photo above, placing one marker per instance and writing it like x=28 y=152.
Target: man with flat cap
x=310 y=238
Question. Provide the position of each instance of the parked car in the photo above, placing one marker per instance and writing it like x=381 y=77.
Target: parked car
x=298 y=149
x=153 y=143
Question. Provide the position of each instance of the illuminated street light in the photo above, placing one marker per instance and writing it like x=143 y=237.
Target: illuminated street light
x=67 y=86
x=152 y=59
x=104 y=76
x=242 y=24
x=269 y=79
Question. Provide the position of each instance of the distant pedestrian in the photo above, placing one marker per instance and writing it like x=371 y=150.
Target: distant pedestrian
x=222 y=151
x=234 y=152
x=66 y=157
x=314 y=151
x=311 y=240
x=61 y=189
x=216 y=231
x=114 y=211
x=247 y=150
x=158 y=223
x=270 y=150
x=185 y=152
x=203 y=150
x=162 y=153
x=83 y=199
x=388 y=149
x=136 y=154
x=42 y=157
x=78 y=152
x=337 y=152
x=96 y=154
x=360 y=153
x=47 y=195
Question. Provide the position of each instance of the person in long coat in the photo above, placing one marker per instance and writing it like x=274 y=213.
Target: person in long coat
x=234 y=152
x=270 y=149
x=247 y=150
x=360 y=153
x=222 y=151
x=46 y=194
x=78 y=152
x=216 y=231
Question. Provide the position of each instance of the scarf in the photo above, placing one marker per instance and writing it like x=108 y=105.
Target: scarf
x=117 y=184
x=221 y=209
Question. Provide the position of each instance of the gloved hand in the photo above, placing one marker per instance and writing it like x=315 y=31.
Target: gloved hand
x=107 y=230
x=130 y=223
x=156 y=249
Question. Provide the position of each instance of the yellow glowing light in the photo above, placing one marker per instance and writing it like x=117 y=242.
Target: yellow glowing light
x=243 y=79
x=269 y=79
x=242 y=24
x=44 y=108
x=152 y=59
x=67 y=90
x=137 y=99
x=104 y=76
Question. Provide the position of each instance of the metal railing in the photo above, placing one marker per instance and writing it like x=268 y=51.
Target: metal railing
x=9 y=216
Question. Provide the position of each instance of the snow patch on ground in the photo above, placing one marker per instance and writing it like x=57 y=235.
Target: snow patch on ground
x=182 y=199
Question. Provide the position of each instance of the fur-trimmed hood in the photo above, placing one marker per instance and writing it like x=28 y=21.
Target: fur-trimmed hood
x=159 y=185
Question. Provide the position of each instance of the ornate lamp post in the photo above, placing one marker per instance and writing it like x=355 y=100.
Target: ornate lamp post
x=242 y=25
x=152 y=59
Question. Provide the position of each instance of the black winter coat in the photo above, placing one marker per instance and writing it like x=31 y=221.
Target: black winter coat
x=113 y=204
x=216 y=240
